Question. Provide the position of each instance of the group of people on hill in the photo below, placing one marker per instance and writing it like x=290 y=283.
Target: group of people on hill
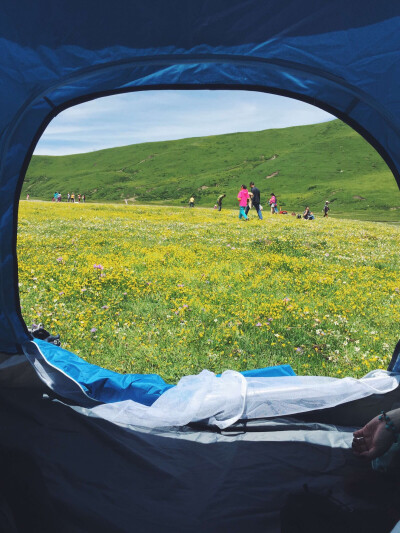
x=57 y=197
x=76 y=199
x=249 y=198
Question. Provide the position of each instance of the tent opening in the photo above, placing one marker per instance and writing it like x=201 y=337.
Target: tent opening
x=136 y=280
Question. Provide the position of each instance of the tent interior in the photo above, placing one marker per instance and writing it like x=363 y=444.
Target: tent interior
x=84 y=448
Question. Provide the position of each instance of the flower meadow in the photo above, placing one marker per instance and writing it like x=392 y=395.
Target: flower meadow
x=175 y=290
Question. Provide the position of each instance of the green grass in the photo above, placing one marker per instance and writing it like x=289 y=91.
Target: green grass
x=327 y=161
x=183 y=289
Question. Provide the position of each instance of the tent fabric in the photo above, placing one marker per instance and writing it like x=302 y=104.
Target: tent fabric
x=90 y=475
x=77 y=469
x=147 y=401
x=221 y=402
x=394 y=365
x=341 y=56
x=77 y=380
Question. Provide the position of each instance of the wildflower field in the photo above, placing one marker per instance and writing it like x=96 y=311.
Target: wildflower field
x=174 y=290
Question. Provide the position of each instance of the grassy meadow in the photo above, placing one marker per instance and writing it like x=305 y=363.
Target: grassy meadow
x=302 y=165
x=172 y=290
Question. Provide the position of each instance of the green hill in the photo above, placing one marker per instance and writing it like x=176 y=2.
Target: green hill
x=303 y=165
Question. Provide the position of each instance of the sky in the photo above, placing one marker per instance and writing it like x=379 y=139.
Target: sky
x=166 y=115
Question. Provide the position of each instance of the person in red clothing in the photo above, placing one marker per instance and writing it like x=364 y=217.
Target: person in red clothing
x=243 y=196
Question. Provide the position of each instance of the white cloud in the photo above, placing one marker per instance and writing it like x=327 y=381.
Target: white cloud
x=165 y=115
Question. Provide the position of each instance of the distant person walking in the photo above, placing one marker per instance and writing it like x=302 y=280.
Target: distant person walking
x=68 y=197
x=83 y=198
x=191 y=201
x=272 y=203
x=79 y=198
x=73 y=198
x=256 y=199
x=243 y=197
x=326 y=209
x=219 y=201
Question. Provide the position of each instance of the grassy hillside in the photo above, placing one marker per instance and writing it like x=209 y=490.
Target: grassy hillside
x=302 y=165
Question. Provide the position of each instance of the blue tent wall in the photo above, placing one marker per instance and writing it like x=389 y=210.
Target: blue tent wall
x=341 y=56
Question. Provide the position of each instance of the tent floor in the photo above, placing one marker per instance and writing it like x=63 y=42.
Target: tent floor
x=72 y=473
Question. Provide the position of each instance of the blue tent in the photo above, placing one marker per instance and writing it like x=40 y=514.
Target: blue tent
x=341 y=56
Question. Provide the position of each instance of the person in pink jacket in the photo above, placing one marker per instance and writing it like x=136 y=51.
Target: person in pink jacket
x=243 y=196
x=273 y=204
